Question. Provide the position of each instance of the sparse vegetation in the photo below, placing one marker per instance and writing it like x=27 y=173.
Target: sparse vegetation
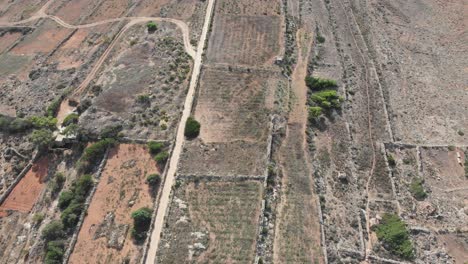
x=391 y=160
x=393 y=234
x=38 y=218
x=56 y=183
x=417 y=189
x=111 y=131
x=143 y=99
x=141 y=223
x=192 y=128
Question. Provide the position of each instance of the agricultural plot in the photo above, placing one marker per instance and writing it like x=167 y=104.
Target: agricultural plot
x=212 y=222
x=80 y=48
x=105 y=236
x=432 y=186
x=191 y=12
x=142 y=86
x=234 y=109
x=24 y=195
x=32 y=205
x=244 y=40
x=12 y=11
x=74 y=12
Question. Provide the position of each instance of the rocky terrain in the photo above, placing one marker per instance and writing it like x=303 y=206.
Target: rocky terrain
x=233 y=131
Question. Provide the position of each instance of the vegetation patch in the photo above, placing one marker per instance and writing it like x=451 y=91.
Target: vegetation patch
x=316 y=84
x=393 y=234
x=141 y=223
x=192 y=128
x=94 y=153
x=151 y=26
x=70 y=119
x=417 y=189
x=155 y=147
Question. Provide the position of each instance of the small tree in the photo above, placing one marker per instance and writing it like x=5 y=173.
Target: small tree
x=70 y=119
x=155 y=147
x=153 y=180
x=315 y=111
x=42 y=138
x=161 y=158
x=141 y=223
x=192 y=128
x=53 y=231
x=151 y=26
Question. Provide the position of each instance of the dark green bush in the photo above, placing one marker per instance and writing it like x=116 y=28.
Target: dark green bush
x=153 y=180
x=83 y=185
x=56 y=183
x=151 y=26
x=391 y=160
x=70 y=119
x=66 y=197
x=54 y=106
x=162 y=158
x=41 y=122
x=141 y=223
x=71 y=214
x=55 y=252
x=96 y=151
x=42 y=138
x=316 y=83
x=14 y=125
x=143 y=99
x=192 y=128
x=53 y=231
x=394 y=236
x=155 y=147
x=417 y=189
x=320 y=38
x=111 y=131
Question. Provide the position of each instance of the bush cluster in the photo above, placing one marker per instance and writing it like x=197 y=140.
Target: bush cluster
x=141 y=223
x=327 y=99
x=316 y=84
x=54 y=106
x=72 y=202
x=151 y=26
x=94 y=153
x=417 y=189
x=155 y=147
x=192 y=128
x=395 y=237
x=162 y=158
x=54 y=233
x=70 y=119
x=42 y=138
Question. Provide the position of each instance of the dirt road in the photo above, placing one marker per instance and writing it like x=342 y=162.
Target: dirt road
x=166 y=190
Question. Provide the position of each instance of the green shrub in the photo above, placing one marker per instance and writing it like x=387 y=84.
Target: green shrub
x=417 y=189
x=392 y=232
x=14 y=125
x=151 y=26
x=65 y=198
x=70 y=119
x=83 y=185
x=315 y=111
x=38 y=218
x=161 y=158
x=53 y=231
x=56 y=183
x=391 y=160
x=41 y=122
x=143 y=99
x=42 y=138
x=155 y=147
x=71 y=214
x=70 y=130
x=153 y=180
x=192 y=128
x=316 y=83
x=327 y=99
x=95 y=151
x=141 y=223
x=320 y=38
x=54 y=106
x=55 y=252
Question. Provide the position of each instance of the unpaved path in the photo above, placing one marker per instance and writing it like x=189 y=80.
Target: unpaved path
x=166 y=190
x=298 y=221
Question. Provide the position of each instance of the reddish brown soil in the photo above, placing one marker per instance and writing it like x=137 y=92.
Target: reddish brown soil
x=8 y=39
x=44 y=40
x=120 y=182
x=24 y=195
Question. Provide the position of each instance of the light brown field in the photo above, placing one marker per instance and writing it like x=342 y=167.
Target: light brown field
x=122 y=181
x=220 y=216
